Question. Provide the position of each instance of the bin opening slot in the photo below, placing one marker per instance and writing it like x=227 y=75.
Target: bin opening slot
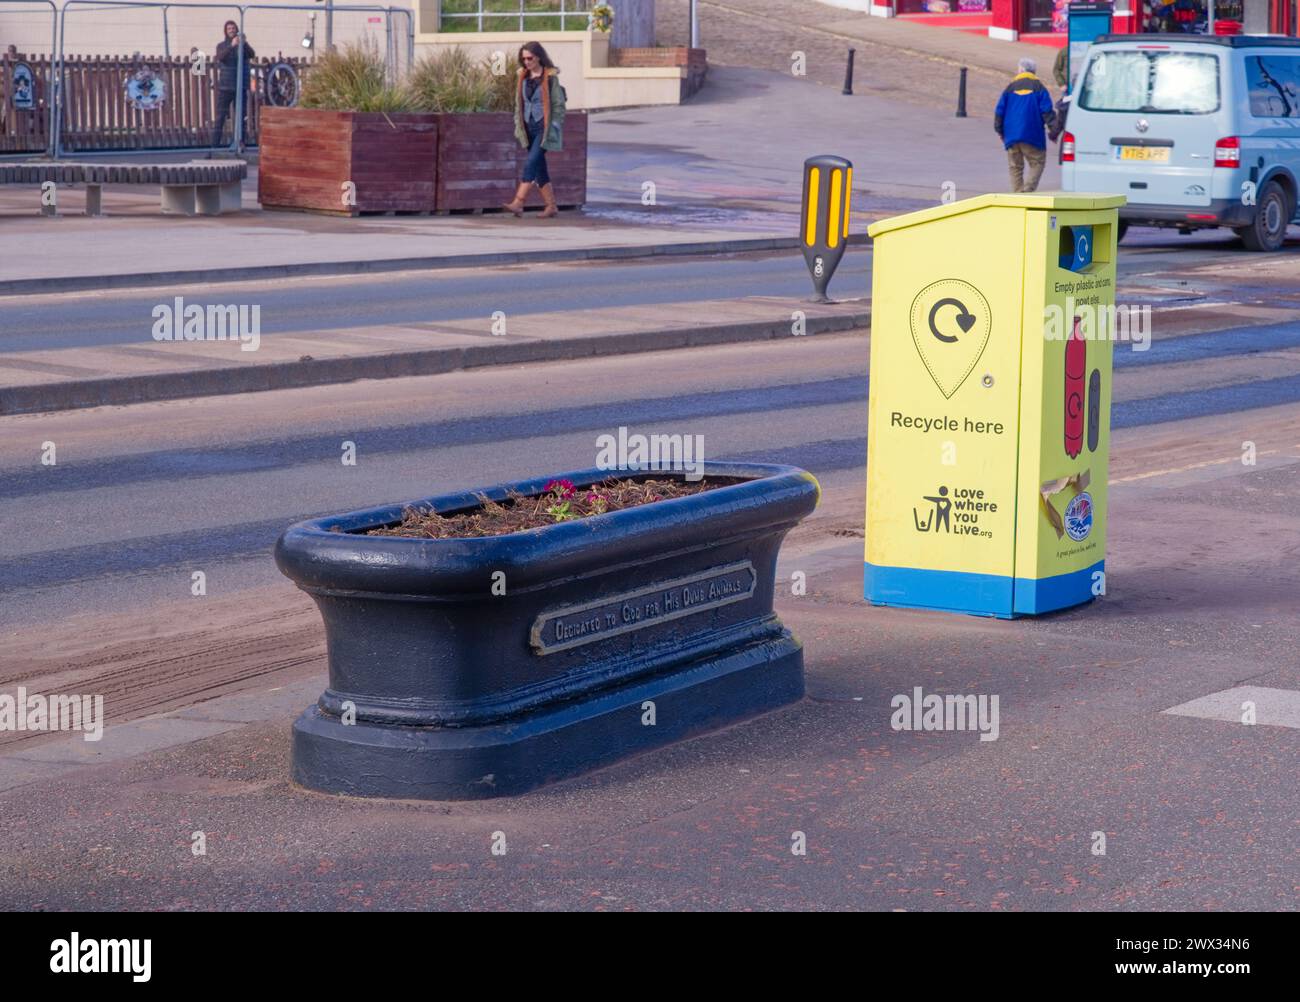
x=1081 y=247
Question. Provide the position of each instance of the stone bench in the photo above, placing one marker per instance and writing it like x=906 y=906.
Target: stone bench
x=202 y=188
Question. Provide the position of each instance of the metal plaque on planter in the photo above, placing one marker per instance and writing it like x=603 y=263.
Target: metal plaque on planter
x=575 y=625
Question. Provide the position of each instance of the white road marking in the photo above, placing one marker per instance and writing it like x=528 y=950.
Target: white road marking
x=1273 y=707
x=1190 y=466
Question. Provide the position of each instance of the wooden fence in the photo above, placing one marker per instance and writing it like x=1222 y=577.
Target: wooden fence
x=97 y=115
x=24 y=131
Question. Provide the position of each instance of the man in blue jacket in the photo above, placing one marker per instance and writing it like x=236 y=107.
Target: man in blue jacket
x=1024 y=110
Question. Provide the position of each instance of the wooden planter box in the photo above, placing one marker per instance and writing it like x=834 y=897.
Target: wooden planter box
x=479 y=162
x=308 y=155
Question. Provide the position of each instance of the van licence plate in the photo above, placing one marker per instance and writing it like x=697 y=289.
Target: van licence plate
x=1155 y=154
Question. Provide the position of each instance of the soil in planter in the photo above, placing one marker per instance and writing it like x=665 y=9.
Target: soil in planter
x=563 y=503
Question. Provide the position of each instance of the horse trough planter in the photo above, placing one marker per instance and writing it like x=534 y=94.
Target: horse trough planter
x=476 y=667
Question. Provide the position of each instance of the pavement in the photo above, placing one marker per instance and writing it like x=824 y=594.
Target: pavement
x=896 y=57
x=711 y=194
x=97 y=349
x=67 y=378
x=74 y=252
x=1119 y=719
x=1115 y=718
x=911 y=37
x=1103 y=728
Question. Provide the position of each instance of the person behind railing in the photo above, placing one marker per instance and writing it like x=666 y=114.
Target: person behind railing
x=227 y=71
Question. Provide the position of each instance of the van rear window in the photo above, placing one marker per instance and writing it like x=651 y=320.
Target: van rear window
x=1154 y=83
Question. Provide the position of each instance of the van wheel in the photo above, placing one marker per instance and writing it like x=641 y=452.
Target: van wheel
x=1272 y=215
x=1119 y=233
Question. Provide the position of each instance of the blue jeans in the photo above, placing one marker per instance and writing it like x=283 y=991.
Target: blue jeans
x=535 y=165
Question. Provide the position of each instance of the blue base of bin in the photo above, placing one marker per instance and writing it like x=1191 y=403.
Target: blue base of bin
x=470 y=763
x=944 y=591
x=995 y=595
x=1035 y=596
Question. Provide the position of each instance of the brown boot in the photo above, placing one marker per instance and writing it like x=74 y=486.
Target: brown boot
x=548 y=196
x=517 y=206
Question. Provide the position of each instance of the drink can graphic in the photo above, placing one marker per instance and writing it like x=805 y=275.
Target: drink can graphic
x=1076 y=367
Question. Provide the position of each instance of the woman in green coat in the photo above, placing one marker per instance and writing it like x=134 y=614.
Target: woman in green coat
x=539 y=117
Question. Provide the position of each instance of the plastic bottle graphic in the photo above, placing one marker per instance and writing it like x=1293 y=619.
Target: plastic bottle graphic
x=1076 y=366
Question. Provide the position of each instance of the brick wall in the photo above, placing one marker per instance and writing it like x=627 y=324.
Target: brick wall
x=695 y=61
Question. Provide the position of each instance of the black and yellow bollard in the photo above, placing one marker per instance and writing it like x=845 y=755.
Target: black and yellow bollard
x=827 y=184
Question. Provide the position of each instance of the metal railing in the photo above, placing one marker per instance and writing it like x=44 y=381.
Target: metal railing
x=43 y=100
x=54 y=114
x=514 y=15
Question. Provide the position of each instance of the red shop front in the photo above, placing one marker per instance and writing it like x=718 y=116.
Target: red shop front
x=942 y=6
x=1006 y=19
x=1009 y=19
x=1013 y=18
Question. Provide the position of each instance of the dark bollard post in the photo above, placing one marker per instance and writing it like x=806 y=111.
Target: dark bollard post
x=961 y=94
x=848 y=74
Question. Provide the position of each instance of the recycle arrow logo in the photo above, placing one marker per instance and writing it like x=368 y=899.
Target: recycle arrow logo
x=965 y=320
x=951 y=323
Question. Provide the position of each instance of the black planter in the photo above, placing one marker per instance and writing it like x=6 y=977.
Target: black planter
x=461 y=693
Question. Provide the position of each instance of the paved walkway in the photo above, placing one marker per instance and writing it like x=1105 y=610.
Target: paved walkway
x=895 y=56
x=726 y=166
x=1107 y=725
x=70 y=378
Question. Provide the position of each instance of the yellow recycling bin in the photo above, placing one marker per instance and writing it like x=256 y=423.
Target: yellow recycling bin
x=989 y=427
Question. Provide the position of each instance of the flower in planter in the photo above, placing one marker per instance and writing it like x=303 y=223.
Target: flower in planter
x=559 y=501
x=561 y=497
x=601 y=18
x=560 y=511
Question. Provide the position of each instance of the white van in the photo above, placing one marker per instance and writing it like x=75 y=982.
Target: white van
x=1196 y=130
